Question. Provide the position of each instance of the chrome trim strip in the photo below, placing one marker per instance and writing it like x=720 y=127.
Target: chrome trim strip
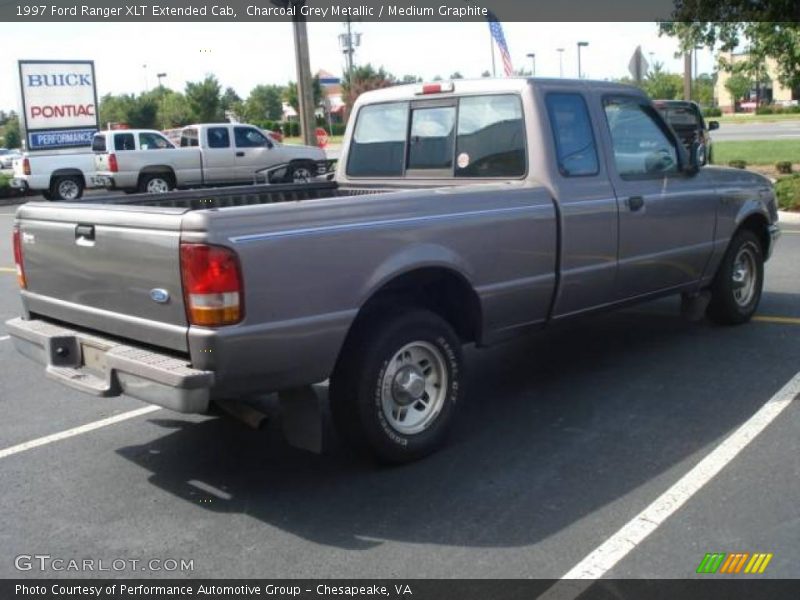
x=255 y=237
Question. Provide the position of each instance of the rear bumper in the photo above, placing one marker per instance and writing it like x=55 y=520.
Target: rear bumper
x=19 y=184
x=104 y=367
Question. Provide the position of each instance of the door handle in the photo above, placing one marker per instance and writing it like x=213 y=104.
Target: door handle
x=635 y=203
x=240 y=154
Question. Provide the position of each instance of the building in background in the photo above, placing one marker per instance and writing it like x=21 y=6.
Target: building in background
x=768 y=91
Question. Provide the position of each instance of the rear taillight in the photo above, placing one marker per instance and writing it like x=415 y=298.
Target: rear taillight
x=18 y=257
x=26 y=166
x=212 y=285
x=112 y=163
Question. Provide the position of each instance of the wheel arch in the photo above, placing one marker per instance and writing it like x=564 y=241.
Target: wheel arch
x=67 y=172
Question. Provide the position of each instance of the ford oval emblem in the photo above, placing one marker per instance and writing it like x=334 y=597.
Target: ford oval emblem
x=159 y=295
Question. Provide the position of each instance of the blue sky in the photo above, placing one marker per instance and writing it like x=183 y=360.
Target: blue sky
x=243 y=55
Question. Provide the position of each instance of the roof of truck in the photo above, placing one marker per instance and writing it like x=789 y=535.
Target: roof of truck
x=486 y=84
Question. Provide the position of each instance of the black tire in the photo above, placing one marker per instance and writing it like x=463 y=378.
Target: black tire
x=368 y=375
x=67 y=187
x=733 y=303
x=163 y=181
x=294 y=171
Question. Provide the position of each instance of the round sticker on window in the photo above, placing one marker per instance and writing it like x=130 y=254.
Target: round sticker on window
x=463 y=160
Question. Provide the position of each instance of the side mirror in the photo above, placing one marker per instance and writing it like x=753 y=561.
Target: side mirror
x=712 y=125
x=697 y=157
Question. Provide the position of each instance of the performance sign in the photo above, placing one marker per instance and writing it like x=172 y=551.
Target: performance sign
x=59 y=103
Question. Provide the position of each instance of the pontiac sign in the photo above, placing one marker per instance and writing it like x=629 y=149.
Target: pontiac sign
x=59 y=103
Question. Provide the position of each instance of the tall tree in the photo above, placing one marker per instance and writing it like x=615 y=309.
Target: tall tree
x=174 y=111
x=204 y=99
x=767 y=26
x=264 y=102
x=293 y=99
x=662 y=85
x=12 y=135
x=365 y=78
x=738 y=85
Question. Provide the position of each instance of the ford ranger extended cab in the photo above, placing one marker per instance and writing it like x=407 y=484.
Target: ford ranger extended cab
x=212 y=154
x=461 y=212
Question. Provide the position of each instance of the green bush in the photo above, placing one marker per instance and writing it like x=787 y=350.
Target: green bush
x=338 y=129
x=712 y=111
x=784 y=167
x=737 y=164
x=787 y=189
x=768 y=110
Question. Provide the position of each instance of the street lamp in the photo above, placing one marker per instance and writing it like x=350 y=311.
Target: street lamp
x=160 y=76
x=580 y=45
x=532 y=56
x=145 y=77
x=560 y=62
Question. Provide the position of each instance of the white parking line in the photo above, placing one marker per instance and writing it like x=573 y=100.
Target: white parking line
x=56 y=437
x=4 y=338
x=634 y=532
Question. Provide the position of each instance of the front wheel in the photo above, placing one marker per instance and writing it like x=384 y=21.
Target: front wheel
x=736 y=290
x=397 y=386
x=69 y=187
x=300 y=173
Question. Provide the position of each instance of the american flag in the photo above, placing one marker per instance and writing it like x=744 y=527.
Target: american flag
x=500 y=39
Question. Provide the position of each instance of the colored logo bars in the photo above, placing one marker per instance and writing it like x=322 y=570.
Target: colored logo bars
x=734 y=563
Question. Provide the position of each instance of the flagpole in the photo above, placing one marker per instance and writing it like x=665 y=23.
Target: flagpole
x=491 y=49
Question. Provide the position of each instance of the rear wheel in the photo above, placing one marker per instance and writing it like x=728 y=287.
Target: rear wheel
x=67 y=187
x=397 y=386
x=736 y=290
x=156 y=183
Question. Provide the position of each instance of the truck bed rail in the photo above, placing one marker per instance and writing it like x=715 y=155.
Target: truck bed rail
x=221 y=197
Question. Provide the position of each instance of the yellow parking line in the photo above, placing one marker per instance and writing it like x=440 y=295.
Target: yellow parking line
x=781 y=320
x=7 y=270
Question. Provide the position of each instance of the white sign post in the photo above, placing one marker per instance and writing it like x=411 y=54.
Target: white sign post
x=59 y=103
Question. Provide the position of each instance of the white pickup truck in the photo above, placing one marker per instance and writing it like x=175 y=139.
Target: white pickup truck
x=210 y=154
x=57 y=176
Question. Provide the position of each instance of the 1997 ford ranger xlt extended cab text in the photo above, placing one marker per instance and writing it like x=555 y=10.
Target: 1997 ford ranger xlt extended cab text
x=463 y=212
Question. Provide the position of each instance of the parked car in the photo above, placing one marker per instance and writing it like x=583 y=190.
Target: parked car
x=7 y=158
x=687 y=120
x=56 y=175
x=210 y=154
x=462 y=212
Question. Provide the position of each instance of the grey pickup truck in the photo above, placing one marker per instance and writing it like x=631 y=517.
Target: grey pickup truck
x=461 y=212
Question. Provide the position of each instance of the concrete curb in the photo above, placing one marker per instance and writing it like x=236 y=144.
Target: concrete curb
x=788 y=217
x=13 y=201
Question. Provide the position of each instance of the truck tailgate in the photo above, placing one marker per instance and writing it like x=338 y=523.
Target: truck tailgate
x=114 y=269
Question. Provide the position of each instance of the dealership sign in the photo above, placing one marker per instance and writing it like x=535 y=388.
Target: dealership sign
x=59 y=103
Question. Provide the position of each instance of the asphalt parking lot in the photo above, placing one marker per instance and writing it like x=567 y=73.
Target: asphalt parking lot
x=563 y=439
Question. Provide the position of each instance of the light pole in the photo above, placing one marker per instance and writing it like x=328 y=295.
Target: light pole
x=532 y=56
x=560 y=62
x=580 y=45
x=160 y=76
x=145 y=77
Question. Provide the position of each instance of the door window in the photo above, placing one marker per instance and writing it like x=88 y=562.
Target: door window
x=572 y=132
x=124 y=141
x=153 y=141
x=218 y=137
x=642 y=147
x=246 y=137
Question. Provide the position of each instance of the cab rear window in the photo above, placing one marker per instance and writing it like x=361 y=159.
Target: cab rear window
x=467 y=137
x=99 y=143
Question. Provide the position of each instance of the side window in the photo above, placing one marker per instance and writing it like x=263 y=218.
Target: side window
x=379 y=141
x=124 y=141
x=189 y=138
x=218 y=137
x=432 y=136
x=576 y=150
x=641 y=146
x=491 y=137
x=152 y=141
x=246 y=137
x=99 y=143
